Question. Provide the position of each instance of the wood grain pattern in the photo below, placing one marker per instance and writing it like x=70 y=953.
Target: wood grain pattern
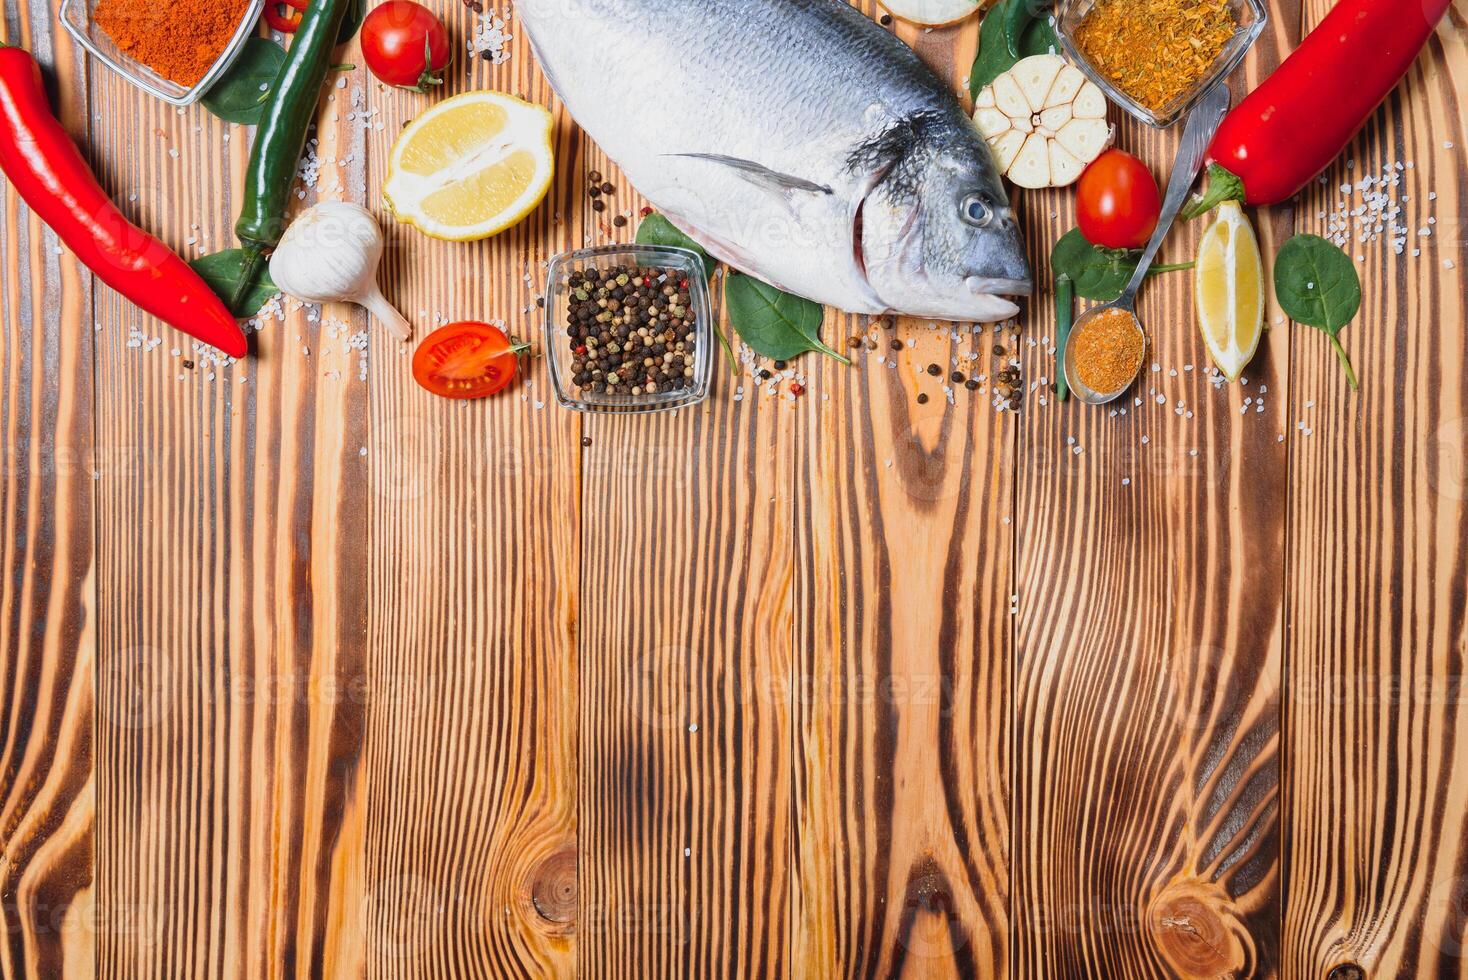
x=1377 y=792
x=863 y=683
x=48 y=603
x=1148 y=685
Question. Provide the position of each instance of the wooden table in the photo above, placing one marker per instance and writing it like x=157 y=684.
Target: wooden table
x=310 y=673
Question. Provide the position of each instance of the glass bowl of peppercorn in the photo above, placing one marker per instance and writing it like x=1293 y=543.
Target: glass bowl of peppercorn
x=628 y=329
x=1156 y=58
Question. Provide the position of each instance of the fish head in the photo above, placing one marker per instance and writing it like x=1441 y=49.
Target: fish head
x=938 y=238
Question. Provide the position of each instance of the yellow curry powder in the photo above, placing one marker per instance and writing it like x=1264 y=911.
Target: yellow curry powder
x=1108 y=351
x=1155 y=50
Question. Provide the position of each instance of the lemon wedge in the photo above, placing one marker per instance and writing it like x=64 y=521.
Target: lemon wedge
x=1229 y=287
x=471 y=167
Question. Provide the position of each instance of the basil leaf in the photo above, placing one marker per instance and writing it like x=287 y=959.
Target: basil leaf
x=773 y=323
x=1012 y=29
x=223 y=270
x=1099 y=273
x=658 y=230
x=351 y=21
x=244 y=88
x=1040 y=38
x=994 y=57
x=1017 y=18
x=1317 y=285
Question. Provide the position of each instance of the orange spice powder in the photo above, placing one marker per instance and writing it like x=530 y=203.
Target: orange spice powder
x=179 y=39
x=1108 y=351
x=1154 y=50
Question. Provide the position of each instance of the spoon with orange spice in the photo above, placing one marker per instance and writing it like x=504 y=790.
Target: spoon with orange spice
x=1107 y=345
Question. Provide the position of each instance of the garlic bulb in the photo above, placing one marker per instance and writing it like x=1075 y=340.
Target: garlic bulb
x=329 y=254
x=1044 y=120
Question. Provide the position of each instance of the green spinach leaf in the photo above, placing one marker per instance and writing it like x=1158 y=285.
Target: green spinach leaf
x=223 y=270
x=773 y=323
x=1012 y=29
x=243 y=90
x=994 y=57
x=1039 y=38
x=1317 y=285
x=1099 y=273
x=658 y=230
x=356 y=13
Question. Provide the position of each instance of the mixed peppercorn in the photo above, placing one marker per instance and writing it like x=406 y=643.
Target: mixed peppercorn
x=632 y=330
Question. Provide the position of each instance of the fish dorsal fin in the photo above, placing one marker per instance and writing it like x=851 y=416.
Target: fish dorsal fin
x=758 y=173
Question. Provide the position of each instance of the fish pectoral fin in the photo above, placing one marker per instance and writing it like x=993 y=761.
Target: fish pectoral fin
x=758 y=173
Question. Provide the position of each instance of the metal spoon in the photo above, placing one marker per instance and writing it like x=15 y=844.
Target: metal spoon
x=1203 y=122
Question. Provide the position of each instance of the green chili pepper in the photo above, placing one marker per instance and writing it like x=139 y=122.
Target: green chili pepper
x=1065 y=303
x=281 y=136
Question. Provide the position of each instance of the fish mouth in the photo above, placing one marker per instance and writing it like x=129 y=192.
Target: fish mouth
x=980 y=285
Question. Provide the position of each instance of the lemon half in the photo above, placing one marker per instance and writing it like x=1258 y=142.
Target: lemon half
x=471 y=167
x=1229 y=288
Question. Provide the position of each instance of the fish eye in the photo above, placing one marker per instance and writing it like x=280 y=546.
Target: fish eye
x=978 y=210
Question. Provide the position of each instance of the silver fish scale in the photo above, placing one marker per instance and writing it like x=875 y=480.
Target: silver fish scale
x=792 y=86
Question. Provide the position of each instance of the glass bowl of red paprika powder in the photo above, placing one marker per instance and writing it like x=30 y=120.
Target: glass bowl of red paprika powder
x=173 y=51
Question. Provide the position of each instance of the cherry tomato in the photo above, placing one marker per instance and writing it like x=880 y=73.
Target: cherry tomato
x=284 y=15
x=404 y=44
x=466 y=360
x=1117 y=203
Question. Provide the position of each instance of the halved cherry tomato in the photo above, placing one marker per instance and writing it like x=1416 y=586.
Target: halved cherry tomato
x=284 y=15
x=466 y=360
x=1117 y=204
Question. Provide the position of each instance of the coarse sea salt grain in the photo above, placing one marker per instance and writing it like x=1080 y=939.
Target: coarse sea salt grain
x=490 y=40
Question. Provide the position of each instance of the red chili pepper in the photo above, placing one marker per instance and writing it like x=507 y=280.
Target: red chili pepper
x=50 y=174
x=284 y=15
x=1291 y=127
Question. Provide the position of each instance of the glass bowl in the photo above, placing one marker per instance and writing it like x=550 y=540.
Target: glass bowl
x=558 y=351
x=1249 y=15
x=76 y=17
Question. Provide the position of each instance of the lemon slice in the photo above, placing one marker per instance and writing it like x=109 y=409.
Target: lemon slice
x=1229 y=286
x=471 y=166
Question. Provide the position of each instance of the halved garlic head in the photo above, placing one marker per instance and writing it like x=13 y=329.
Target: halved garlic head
x=1044 y=120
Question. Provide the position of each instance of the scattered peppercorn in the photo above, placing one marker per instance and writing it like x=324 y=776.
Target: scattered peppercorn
x=886 y=20
x=972 y=384
x=594 y=177
x=934 y=370
x=956 y=377
x=780 y=365
x=188 y=364
x=598 y=206
x=586 y=440
x=999 y=350
x=896 y=344
x=619 y=222
x=763 y=374
x=632 y=331
x=922 y=399
x=607 y=188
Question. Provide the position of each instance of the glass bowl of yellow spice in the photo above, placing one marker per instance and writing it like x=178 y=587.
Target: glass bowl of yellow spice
x=1156 y=58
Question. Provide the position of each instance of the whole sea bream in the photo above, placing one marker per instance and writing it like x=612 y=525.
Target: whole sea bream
x=797 y=141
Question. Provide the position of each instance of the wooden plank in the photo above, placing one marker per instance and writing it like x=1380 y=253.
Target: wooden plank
x=474 y=517
x=233 y=591
x=903 y=509
x=48 y=601
x=1149 y=639
x=1377 y=866
x=685 y=656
